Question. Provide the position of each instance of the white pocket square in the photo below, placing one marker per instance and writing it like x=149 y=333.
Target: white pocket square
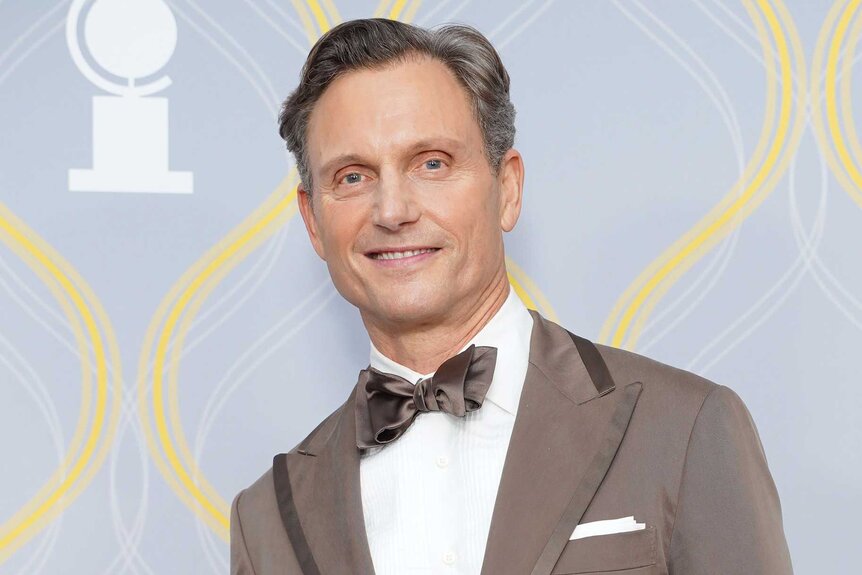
x=606 y=526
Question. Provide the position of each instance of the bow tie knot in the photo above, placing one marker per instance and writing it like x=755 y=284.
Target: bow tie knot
x=387 y=404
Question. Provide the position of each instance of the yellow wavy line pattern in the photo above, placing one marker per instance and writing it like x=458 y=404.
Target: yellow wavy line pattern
x=305 y=18
x=99 y=410
x=381 y=8
x=198 y=282
x=629 y=314
x=166 y=334
x=830 y=136
x=528 y=291
x=319 y=16
x=87 y=449
x=846 y=92
x=396 y=9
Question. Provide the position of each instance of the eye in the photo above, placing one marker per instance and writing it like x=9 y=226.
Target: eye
x=434 y=163
x=352 y=178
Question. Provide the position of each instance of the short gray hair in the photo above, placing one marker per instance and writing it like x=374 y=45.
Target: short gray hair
x=375 y=42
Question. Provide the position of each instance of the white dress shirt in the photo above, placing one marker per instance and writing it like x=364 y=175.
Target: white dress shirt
x=428 y=496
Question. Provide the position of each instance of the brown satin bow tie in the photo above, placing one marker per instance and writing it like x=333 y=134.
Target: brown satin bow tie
x=387 y=404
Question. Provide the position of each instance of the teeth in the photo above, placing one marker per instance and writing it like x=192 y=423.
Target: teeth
x=399 y=255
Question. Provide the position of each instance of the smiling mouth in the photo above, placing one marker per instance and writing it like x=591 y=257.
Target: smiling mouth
x=392 y=255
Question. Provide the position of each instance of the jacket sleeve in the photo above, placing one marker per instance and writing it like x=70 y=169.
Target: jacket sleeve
x=240 y=562
x=728 y=515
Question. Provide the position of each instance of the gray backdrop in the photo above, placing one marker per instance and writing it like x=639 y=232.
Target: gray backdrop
x=691 y=194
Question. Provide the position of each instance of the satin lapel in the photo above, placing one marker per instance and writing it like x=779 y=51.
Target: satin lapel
x=570 y=422
x=324 y=507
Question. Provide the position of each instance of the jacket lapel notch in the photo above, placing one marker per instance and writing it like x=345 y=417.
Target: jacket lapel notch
x=595 y=366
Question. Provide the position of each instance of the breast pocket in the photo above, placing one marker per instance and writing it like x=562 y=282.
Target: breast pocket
x=634 y=550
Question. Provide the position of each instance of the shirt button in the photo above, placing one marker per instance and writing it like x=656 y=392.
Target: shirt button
x=449 y=557
x=442 y=461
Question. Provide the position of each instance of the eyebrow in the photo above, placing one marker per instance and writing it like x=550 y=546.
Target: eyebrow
x=353 y=158
x=339 y=160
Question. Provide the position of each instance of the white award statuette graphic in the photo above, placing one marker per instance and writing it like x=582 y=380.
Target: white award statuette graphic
x=131 y=39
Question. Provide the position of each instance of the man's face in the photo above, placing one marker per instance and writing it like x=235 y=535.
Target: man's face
x=398 y=165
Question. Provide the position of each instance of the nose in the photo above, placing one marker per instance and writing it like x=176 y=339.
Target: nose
x=394 y=203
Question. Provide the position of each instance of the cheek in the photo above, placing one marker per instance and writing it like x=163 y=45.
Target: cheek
x=342 y=228
x=475 y=226
x=481 y=216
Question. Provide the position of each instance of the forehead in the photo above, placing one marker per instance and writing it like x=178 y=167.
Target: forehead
x=384 y=110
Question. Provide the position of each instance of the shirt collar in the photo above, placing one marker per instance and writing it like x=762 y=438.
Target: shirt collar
x=509 y=331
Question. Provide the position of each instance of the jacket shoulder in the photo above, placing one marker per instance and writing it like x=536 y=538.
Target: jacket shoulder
x=657 y=378
x=258 y=498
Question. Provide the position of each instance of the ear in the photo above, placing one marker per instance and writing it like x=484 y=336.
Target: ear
x=511 y=180
x=305 y=200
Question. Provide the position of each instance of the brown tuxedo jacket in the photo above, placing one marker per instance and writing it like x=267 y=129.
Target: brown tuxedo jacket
x=600 y=433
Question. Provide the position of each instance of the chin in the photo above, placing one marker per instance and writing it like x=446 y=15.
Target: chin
x=409 y=309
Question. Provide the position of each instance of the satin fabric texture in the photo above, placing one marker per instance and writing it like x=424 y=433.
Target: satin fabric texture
x=386 y=404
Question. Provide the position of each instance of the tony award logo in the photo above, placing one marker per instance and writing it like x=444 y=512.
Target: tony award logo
x=131 y=39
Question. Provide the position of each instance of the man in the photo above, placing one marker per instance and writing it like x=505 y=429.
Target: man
x=482 y=437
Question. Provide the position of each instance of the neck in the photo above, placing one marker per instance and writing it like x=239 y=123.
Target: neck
x=423 y=348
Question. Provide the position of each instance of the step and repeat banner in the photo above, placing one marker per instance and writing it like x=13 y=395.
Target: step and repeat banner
x=693 y=193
